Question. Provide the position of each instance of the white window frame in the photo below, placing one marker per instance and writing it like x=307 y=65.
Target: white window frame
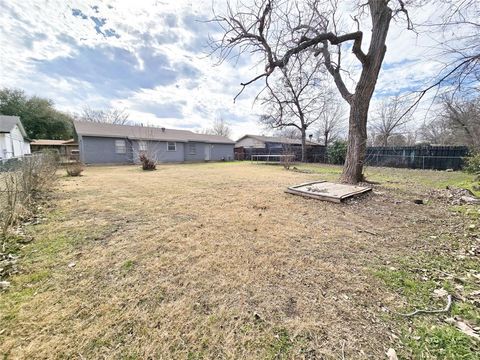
x=120 y=149
x=174 y=145
x=192 y=149
x=142 y=146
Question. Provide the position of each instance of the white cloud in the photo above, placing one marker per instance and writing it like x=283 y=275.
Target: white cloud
x=38 y=31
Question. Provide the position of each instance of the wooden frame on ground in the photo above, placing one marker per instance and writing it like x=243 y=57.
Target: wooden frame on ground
x=327 y=191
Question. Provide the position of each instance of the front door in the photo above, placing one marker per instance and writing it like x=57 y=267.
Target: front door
x=207 y=152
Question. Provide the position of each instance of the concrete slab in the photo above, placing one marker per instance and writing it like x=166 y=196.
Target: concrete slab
x=327 y=191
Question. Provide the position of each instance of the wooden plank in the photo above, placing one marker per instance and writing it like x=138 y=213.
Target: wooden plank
x=331 y=192
x=314 y=196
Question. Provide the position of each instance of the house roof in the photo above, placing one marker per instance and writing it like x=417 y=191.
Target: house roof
x=7 y=123
x=84 y=128
x=278 y=139
x=48 y=142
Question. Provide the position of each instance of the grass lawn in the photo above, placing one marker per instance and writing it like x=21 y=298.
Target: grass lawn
x=215 y=261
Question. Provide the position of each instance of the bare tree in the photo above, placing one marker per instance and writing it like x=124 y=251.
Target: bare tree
x=295 y=100
x=388 y=121
x=456 y=123
x=289 y=133
x=219 y=127
x=463 y=118
x=110 y=116
x=458 y=48
x=280 y=30
x=437 y=132
x=331 y=122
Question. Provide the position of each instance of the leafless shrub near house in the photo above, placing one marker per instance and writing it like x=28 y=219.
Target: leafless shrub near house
x=75 y=168
x=147 y=152
x=288 y=157
x=147 y=163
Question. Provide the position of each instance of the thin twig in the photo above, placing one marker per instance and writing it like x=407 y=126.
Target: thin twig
x=343 y=349
x=421 y=311
x=367 y=231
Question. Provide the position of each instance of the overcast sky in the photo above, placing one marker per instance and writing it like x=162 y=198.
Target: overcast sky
x=150 y=57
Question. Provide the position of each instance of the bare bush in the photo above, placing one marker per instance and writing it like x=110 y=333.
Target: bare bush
x=147 y=163
x=9 y=199
x=288 y=157
x=74 y=169
x=21 y=183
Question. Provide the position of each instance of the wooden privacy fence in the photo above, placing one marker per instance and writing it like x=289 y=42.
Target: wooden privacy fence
x=418 y=157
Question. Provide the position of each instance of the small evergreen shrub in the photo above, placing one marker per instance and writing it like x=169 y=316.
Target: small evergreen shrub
x=337 y=152
x=472 y=164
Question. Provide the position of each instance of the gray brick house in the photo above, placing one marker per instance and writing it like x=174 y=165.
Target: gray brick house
x=101 y=143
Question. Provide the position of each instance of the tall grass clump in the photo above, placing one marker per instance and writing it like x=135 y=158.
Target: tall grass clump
x=75 y=168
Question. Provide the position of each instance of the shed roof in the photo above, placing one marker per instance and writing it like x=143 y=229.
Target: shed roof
x=145 y=133
x=7 y=123
x=278 y=139
x=48 y=142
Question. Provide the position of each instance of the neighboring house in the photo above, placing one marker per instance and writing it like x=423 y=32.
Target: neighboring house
x=270 y=142
x=13 y=138
x=249 y=145
x=67 y=149
x=101 y=143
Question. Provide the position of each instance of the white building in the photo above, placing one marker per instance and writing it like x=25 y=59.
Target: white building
x=13 y=138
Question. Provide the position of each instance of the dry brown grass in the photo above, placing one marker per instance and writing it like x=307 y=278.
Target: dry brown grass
x=209 y=261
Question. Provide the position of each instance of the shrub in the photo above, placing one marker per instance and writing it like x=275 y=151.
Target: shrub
x=472 y=163
x=288 y=157
x=337 y=152
x=147 y=163
x=75 y=168
x=22 y=183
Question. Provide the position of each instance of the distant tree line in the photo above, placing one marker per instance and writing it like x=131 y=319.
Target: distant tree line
x=42 y=120
x=39 y=117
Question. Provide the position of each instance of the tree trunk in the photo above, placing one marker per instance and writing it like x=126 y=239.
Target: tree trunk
x=385 y=139
x=357 y=143
x=304 y=144
x=381 y=15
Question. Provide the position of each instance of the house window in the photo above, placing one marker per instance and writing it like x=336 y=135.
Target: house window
x=142 y=146
x=171 y=146
x=192 y=149
x=120 y=147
